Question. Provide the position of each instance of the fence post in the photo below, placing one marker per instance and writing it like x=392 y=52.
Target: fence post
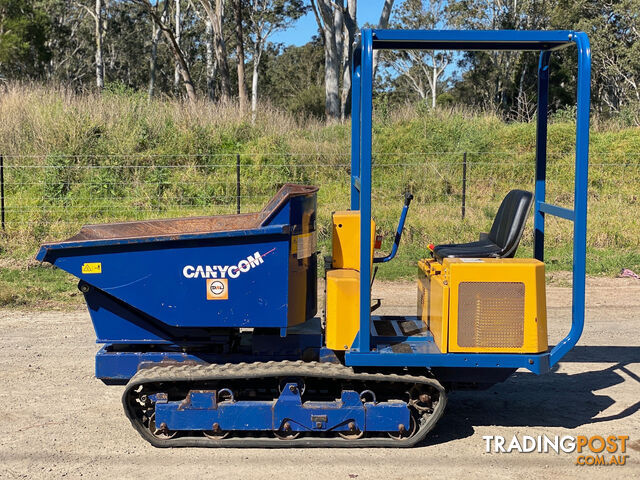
x=238 y=183
x=464 y=183
x=2 y=189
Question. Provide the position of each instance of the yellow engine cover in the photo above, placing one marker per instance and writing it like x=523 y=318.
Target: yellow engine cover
x=433 y=301
x=492 y=305
x=343 y=281
x=342 y=308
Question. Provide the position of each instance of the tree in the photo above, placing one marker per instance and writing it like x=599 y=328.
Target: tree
x=293 y=78
x=350 y=28
x=155 y=39
x=242 y=88
x=490 y=77
x=614 y=31
x=207 y=38
x=382 y=23
x=100 y=21
x=421 y=68
x=23 y=39
x=173 y=44
x=216 y=17
x=178 y=34
x=267 y=17
x=211 y=62
x=329 y=19
x=338 y=25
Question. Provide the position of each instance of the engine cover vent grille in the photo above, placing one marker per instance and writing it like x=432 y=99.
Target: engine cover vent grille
x=491 y=314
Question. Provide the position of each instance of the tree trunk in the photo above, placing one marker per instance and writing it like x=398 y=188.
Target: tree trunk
x=331 y=68
x=155 y=39
x=338 y=29
x=216 y=15
x=242 y=88
x=326 y=18
x=210 y=60
x=184 y=68
x=254 y=81
x=350 y=26
x=173 y=45
x=434 y=86
x=176 y=71
x=99 y=36
x=521 y=97
x=382 y=23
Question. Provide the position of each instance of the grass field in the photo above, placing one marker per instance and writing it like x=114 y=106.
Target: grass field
x=73 y=159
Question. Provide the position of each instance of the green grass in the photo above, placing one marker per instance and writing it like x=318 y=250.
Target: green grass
x=38 y=286
x=74 y=159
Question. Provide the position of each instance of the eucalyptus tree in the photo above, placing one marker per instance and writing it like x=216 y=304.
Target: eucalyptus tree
x=421 y=69
x=216 y=11
x=177 y=51
x=267 y=17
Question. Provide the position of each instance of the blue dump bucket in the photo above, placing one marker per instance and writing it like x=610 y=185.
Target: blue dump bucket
x=162 y=280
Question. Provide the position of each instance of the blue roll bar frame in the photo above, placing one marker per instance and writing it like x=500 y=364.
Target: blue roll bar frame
x=361 y=353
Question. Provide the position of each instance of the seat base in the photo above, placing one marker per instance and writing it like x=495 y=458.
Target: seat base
x=481 y=249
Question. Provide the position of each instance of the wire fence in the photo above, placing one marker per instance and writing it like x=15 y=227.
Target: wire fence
x=46 y=196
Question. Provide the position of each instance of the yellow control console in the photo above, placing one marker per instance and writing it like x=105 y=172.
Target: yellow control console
x=343 y=281
x=484 y=304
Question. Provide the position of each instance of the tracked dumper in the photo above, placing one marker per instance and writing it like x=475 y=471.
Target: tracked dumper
x=212 y=323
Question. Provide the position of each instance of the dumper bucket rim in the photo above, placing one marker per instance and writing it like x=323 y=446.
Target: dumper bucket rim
x=283 y=229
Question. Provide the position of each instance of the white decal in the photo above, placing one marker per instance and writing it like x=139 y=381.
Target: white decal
x=224 y=271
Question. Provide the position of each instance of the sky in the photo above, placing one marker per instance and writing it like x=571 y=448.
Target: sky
x=302 y=31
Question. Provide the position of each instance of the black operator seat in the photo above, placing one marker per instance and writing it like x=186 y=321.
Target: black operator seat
x=504 y=237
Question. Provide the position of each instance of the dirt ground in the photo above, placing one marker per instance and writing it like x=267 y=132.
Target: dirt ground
x=59 y=421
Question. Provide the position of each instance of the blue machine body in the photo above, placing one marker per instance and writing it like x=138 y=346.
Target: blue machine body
x=143 y=286
x=150 y=278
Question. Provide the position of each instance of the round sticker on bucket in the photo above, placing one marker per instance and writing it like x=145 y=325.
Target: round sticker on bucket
x=217 y=289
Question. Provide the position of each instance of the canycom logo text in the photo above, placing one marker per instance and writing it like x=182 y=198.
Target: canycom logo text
x=223 y=271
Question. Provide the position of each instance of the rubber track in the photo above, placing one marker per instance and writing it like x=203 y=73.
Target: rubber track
x=199 y=373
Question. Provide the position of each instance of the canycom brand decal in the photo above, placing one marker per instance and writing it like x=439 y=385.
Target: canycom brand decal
x=225 y=271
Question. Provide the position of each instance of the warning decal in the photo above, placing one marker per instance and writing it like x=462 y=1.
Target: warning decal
x=92 y=267
x=217 y=289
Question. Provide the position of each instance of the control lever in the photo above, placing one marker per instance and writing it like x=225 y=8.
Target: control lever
x=403 y=216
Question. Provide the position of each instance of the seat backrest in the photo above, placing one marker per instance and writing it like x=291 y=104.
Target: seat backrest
x=508 y=225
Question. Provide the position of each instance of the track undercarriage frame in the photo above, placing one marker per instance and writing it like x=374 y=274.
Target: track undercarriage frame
x=277 y=404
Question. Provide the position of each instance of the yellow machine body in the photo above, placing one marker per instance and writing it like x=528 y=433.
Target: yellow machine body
x=345 y=240
x=484 y=304
x=433 y=301
x=342 y=309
